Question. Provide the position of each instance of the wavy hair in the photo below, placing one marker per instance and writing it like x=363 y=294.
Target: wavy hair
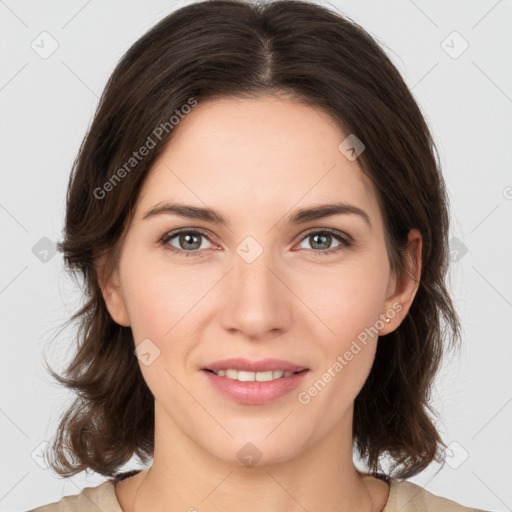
x=215 y=49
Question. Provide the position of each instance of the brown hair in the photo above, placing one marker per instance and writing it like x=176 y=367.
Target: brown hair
x=216 y=49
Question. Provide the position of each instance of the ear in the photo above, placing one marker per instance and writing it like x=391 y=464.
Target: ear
x=112 y=293
x=402 y=289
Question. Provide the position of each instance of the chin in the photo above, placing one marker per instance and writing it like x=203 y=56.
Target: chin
x=257 y=448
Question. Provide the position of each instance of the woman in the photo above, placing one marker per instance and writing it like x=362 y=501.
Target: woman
x=261 y=224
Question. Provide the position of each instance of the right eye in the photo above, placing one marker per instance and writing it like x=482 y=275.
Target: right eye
x=189 y=241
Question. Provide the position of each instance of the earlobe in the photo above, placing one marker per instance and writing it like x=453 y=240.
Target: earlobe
x=404 y=287
x=113 y=296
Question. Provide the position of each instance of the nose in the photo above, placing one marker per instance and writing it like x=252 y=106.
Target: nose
x=256 y=300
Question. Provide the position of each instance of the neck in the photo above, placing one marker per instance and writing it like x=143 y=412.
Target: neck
x=184 y=476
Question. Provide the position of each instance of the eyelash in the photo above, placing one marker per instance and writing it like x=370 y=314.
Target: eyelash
x=345 y=241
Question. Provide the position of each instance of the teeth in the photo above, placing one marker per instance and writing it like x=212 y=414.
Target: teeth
x=244 y=376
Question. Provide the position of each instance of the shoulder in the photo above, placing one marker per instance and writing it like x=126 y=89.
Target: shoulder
x=91 y=499
x=406 y=496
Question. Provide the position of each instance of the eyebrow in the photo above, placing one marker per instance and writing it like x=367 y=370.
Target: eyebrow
x=299 y=216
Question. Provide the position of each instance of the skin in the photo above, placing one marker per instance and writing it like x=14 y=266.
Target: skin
x=255 y=161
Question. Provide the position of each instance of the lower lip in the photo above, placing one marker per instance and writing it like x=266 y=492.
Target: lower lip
x=255 y=393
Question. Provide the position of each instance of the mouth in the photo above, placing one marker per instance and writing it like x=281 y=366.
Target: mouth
x=254 y=382
x=248 y=376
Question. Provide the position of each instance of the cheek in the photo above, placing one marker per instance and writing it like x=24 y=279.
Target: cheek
x=166 y=306
x=347 y=298
x=349 y=304
x=160 y=303
x=159 y=297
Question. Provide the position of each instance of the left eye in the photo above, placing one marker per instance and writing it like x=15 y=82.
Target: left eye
x=321 y=241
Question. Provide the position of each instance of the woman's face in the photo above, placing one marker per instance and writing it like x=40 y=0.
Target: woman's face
x=257 y=285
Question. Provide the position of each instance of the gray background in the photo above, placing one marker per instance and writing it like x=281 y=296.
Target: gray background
x=46 y=107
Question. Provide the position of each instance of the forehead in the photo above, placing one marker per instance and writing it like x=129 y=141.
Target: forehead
x=254 y=155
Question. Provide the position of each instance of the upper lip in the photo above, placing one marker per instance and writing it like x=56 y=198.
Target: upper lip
x=254 y=366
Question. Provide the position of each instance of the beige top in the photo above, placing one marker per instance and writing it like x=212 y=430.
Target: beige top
x=403 y=496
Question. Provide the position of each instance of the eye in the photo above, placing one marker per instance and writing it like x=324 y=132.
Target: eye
x=188 y=242
x=321 y=240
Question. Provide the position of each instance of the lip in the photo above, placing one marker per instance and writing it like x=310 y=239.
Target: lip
x=254 y=393
x=264 y=365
